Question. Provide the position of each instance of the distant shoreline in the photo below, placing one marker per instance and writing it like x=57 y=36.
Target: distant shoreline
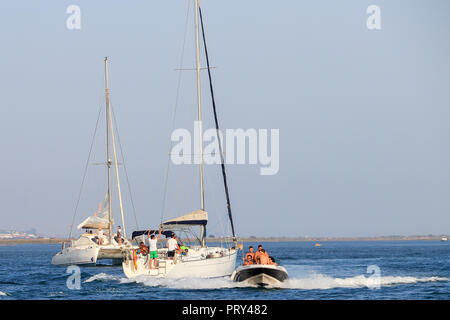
x=325 y=239
x=7 y=242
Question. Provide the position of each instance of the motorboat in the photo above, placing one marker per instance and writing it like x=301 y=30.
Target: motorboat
x=260 y=274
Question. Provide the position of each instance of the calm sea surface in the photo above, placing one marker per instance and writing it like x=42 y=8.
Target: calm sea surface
x=336 y=270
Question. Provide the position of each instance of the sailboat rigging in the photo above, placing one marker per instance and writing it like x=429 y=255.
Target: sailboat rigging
x=197 y=261
x=90 y=247
x=216 y=121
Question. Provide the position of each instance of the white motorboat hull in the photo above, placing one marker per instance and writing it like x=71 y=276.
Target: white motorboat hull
x=260 y=274
x=190 y=267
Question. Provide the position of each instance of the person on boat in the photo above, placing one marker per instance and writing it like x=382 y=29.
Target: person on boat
x=272 y=261
x=142 y=249
x=119 y=235
x=100 y=236
x=172 y=247
x=184 y=250
x=154 y=249
x=258 y=254
x=264 y=257
x=250 y=252
x=249 y=260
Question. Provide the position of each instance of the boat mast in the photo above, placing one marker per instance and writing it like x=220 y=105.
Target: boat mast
x=222 y=161
x=200 y=126
x=108 y=157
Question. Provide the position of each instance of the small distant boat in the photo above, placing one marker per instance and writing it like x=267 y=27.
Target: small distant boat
x=260 y=274
x=444 y=239
x=317 y=245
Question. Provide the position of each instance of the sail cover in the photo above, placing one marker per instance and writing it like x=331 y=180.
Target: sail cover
x=198 y=217
x=94 y=222
x=101 y=221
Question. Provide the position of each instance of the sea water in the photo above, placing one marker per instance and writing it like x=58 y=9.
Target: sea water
x=335 y=270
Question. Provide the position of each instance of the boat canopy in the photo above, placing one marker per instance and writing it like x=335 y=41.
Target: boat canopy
x=94 y=222
x=198 y=217
x=135 y=234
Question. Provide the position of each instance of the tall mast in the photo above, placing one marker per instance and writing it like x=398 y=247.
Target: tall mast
x=108 y=157
x=222 y=162
x=200 y=126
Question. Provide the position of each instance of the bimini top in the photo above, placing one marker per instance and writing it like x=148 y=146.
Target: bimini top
x=198 y=217
x=135 y=234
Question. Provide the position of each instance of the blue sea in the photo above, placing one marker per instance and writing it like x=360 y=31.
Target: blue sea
x=336 y=270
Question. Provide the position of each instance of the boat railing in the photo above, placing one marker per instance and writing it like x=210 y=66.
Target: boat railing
x=162 y=254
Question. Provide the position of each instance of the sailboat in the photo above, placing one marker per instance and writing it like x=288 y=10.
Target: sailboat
x=197 y=260
x=92 y=247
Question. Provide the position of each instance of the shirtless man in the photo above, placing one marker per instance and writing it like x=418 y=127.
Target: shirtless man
x=249 y=260
x=272 y=261
x=250 y=252
x=264 y=257
x=259 y=253
x=142 y=249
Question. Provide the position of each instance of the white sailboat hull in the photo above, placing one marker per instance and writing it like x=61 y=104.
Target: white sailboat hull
x=191 y=267
x=85 y=251
x=78 y=256
x=88 y=255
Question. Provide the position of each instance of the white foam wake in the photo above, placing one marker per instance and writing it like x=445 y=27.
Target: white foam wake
x=2 y=293
x=320 y=281
x=102 y=277
x=186 y=283
x=311 y=281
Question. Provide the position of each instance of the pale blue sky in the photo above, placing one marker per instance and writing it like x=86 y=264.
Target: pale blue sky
x=364 y=116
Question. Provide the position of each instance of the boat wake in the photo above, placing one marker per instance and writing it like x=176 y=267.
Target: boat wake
x=187 y=283
x=314 y=281
x=102 y=277
x=323 y=282
x=3 y=294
